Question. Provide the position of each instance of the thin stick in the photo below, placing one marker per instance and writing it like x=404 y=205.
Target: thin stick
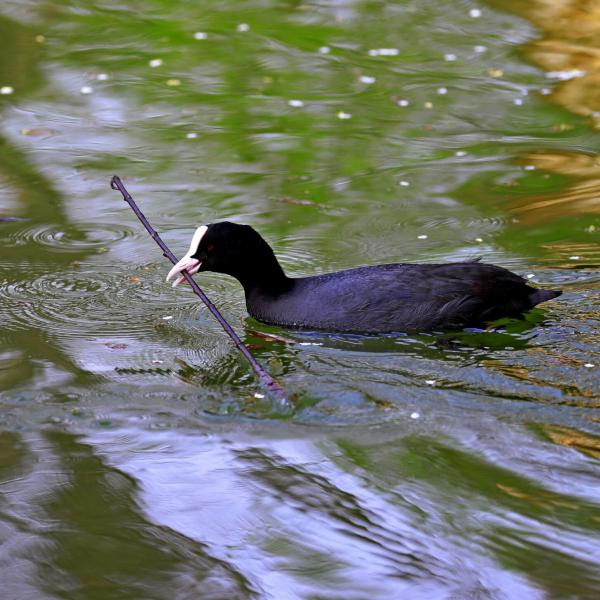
x=271 y=384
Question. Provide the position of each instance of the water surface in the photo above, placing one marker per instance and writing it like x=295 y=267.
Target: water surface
x=138 y=458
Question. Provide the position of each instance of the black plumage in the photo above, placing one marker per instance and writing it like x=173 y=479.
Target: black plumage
x=374 y=299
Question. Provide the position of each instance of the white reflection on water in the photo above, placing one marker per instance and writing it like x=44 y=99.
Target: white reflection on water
x=288 y=518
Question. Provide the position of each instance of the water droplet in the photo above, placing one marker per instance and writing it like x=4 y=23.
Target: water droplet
x=428 y=105
x=430 y=381
x=6 y=90
x=167 y=317
x=404 y=183
x=460 y=153
x=40 y=39
x=155 y=62
x=529 y=167
x=414 y=415
x=442 y=91
x=296 y=103
x=574 y=257
x=102 y=77
x=422 y=236
x=200 y=35
x=479 y=49
x=243 y=27
x=450 y=57
x=343 y=115
x=86 y=90
x=173 y=82
x=518 y=101
x=589 y=365
x=530 y=275
x=324 y=50
x=479 y=240
x=475 y=13
x=496 y=73
x=367 y=79
x=403 y=103
x=191 y=136
x=545 y=91
x=259 y=396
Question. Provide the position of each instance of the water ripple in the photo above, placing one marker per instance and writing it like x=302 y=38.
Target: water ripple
x=87 y=236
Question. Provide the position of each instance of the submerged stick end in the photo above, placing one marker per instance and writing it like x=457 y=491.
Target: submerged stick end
x=114 y=182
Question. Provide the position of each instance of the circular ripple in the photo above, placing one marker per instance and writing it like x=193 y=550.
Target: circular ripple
x=88 y=303
x=83 y=237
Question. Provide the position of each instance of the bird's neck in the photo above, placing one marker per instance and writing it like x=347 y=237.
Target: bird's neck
x=265 y=277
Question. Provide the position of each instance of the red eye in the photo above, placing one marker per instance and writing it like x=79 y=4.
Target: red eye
x=210 y=248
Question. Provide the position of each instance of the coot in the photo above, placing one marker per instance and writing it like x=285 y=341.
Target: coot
x=376 y=299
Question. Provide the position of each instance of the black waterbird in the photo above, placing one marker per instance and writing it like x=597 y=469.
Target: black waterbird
x=374 y=299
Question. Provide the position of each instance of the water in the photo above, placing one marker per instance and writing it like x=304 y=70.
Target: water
x=136 y=460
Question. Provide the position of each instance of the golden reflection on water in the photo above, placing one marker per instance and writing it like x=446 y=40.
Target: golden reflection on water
x=569 y=50
x=584 y=442
x=582 y=197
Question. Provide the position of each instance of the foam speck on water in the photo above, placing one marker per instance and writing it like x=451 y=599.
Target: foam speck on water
x=475 y=13
x=200 y=35
x=565 y=75
x=384 y=52
x=86 y=90
x=243 y=27
x=155 y=62
x=296 y=103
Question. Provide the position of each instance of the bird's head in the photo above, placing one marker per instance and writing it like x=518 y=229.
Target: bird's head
x=225 y=247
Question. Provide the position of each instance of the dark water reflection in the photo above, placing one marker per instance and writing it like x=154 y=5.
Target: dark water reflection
x=138 y=457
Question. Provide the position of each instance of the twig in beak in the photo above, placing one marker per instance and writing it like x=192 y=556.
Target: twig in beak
x=273 y=386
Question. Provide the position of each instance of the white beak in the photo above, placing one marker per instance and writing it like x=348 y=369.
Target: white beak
x=187 y=263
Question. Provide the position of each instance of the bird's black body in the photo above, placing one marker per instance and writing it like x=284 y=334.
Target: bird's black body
x=376 y=299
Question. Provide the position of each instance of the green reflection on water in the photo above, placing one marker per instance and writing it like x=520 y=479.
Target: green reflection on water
x=341 y=155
